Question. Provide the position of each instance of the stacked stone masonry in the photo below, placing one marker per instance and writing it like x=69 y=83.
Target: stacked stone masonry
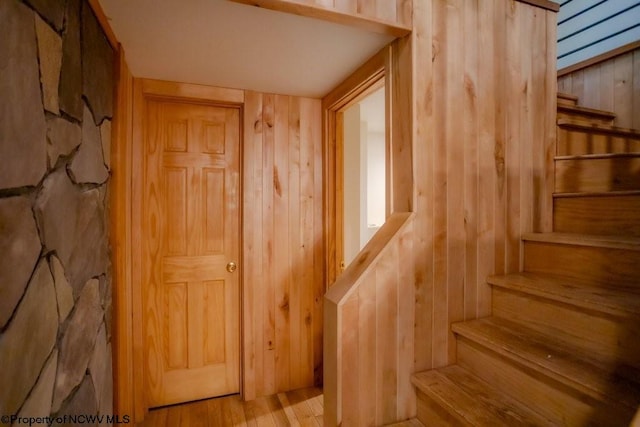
x=56 y=88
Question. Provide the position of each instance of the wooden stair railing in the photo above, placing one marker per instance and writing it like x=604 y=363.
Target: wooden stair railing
x=562 y=346
x=368 y=333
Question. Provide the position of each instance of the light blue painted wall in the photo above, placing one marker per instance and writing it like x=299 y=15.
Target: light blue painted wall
x=587 y=28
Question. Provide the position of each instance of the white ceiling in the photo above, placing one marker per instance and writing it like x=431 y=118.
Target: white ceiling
x=220 y=43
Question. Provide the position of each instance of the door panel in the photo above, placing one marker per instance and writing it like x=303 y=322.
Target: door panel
x=191 y=231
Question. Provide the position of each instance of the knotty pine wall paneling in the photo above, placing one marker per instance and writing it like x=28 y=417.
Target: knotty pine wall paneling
x=484 y=100
x=283 y=252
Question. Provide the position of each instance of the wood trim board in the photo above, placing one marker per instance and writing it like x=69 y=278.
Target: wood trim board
x=309 y=10
x=120 y=223
x=367 y=78
x=599 y=58
x=104 y=23
x=192 y=92
x=544 y=4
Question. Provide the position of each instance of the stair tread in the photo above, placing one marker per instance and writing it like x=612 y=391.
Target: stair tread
x=568 y=96
x=597 y=156
x=474 y=400
x=597 y=127
x=603 y=114
x=413 y=422
x=604 y=298
x=604 y=241
x=555 y=359
x=598 y=193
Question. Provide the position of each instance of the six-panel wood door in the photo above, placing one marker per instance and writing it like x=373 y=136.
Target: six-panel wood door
x=191 y=232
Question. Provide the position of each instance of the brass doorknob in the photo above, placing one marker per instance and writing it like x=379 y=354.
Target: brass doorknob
x=231 y=267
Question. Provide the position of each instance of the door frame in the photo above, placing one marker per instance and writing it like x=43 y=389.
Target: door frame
x=393 y=63
x=126 y=219
x=369 y=77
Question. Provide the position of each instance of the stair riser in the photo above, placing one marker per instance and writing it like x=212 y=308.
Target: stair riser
x=573 y=142
x=430 y=413
x=597 y=175
x=604 y=265
x=616 y=339
x=605 y=215
x=577 y=115
x=550 y=398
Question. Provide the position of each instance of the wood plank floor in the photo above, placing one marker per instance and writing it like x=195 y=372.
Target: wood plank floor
x=302 y=407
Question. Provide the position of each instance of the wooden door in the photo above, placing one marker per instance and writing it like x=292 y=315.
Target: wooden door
x=190 y=233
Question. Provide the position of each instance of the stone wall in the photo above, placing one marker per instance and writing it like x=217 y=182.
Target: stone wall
x=56 y=90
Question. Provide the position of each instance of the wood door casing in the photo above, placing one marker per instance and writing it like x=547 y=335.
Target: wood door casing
x=190 y=231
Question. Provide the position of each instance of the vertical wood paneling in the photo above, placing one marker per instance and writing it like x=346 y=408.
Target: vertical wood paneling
x=470 y=170
x=423 y=167
x=591 y=82
x=308 y=232
x=350 y=364
x=268 y=245
x=611 y=85
x=530 y=19
x=283 y=276
x=487 y=118
x=295 y=260
x=319 y=262
x=282 y=129
x=440 y=310
x=386 y=282
x=501 y=106
x=607 y=97
x=405 y=348
x=518 y=29
x=401 y=132
x=368 y=342
x=252 y=237
x=545 y=182
x=483 y=159
x=623 y=88
x=454 y=161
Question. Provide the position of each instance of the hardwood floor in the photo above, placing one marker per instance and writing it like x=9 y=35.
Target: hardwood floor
x=302 y=407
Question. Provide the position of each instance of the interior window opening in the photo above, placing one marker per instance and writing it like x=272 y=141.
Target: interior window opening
x=364 y=171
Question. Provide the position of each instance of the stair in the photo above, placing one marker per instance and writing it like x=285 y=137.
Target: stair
x=549 y=376
x=562 y=346
x=567 y=99
x=597 y=173
x=576 y=112
x=414 y=422
x=603 y=259
x=597 y=179
x=609 y=213
x=455 y=396
x=579 y=137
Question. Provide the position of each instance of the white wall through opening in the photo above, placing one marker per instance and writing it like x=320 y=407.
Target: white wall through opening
x=364 y=171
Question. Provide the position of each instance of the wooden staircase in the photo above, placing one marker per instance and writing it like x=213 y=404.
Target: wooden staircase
x=562 y=346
